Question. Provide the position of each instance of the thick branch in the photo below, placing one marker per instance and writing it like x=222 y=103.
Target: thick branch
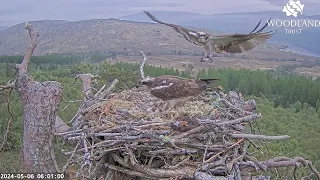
x=281 y=162
x=241 y=120
x=263 y=137
x=23 y=67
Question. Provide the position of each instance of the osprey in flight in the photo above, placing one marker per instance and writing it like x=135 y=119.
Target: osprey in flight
x=230 y=43
x=170 y=88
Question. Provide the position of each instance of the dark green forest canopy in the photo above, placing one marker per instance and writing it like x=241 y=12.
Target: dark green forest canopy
x=58 y=59
x=289 y=103
x=275 y=85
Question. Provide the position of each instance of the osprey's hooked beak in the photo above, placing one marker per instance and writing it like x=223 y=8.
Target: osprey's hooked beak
x=146 y=81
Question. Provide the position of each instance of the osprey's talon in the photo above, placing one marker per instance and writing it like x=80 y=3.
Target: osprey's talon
x=204 y=59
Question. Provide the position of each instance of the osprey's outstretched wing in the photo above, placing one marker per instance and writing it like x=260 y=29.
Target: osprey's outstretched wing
x=190 y=35
x=232 y=43
x=238 y=43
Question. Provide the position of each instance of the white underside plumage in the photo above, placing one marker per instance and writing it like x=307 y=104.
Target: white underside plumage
x=162 y=86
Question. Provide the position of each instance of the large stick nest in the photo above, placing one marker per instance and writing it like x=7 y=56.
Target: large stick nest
x=128 y=134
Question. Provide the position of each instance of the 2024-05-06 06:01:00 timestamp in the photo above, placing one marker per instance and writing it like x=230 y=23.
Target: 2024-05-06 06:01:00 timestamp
x=32 y=176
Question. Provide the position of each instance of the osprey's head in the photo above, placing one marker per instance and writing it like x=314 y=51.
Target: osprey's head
x=202 y=36
x=146 y=81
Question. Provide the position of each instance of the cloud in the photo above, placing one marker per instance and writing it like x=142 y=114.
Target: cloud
x=17 y=11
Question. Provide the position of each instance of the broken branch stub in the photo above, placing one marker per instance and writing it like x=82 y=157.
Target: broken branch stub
x=86 y=80
x=23 y=67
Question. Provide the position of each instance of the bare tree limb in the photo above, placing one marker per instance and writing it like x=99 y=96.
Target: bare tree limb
x=142 y=65
x=103 y=94
x=8 y=86
x=241 y=120
x=64 y=169
x=23 y=67
x=282 y=162
x=255 y=136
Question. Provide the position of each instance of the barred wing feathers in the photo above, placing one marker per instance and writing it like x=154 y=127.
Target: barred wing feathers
x=238 y=43
x=188 y=34
x=232 y=43
x=171 y=87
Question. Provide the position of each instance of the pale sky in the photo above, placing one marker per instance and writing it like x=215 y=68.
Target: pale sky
x=18 y=11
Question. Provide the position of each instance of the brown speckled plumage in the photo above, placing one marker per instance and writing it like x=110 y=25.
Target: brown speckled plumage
x=168 y=87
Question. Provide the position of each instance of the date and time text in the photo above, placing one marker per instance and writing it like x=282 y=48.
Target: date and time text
x=32 y=176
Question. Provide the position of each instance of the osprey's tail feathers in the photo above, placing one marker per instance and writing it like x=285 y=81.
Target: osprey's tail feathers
x=208 y=81
x=256 y=27
x=203 y=83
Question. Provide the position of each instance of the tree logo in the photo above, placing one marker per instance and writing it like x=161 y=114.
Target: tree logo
x=292 y=8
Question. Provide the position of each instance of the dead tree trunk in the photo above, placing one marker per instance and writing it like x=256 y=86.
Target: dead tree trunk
x=40 y=103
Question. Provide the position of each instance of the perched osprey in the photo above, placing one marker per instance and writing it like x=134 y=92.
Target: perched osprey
x=230 y=43
x=170 y=88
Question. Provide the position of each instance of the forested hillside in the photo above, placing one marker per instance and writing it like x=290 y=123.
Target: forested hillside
x=126 y=37
x=289 y=103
